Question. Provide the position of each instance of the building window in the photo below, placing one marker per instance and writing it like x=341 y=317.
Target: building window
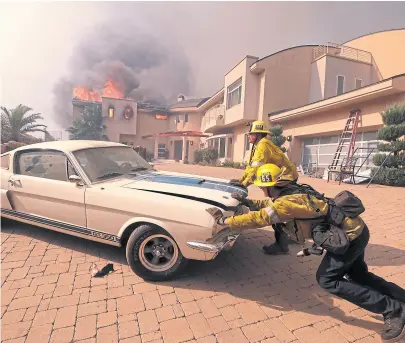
x=111 y=111
x=177 y=119
x=359 y=83
x=234 y=95
x=340 y=84
x=222 y=142
x=247 y=143
x=319 y=152
x=185 y=117
x=229 y=151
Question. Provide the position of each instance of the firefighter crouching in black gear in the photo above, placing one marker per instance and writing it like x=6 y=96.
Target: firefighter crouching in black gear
x=265 y=151
x=306 y=214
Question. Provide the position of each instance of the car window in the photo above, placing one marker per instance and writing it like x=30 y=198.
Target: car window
x=109 y=162
x=5 y=160
x=71 y=169
x=44 y=164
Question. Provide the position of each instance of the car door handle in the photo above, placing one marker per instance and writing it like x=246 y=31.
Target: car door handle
x=15 y=181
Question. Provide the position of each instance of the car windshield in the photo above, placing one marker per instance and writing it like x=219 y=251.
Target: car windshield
x=108 y=162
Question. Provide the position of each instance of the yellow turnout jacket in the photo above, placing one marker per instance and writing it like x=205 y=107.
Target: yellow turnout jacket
x=298 y=211
x=267 y=152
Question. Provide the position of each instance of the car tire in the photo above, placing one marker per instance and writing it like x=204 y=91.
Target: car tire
x=140 y=258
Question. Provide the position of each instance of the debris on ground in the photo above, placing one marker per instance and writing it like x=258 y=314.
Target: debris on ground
x=96 y=272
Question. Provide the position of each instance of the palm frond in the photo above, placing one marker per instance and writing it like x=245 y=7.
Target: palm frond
x=32 y=118
x=33 y=128
x=6 y=112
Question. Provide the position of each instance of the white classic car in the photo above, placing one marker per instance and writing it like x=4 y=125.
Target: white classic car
x=106 y=192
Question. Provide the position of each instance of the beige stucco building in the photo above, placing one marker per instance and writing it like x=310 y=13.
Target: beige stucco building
x=308 y=89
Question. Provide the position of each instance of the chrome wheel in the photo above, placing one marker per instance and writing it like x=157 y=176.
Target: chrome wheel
x=158 y=253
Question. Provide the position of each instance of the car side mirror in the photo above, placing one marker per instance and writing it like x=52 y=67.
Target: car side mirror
x=76 y=179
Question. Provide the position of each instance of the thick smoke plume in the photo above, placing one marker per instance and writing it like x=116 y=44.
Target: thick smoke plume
x=144 y=68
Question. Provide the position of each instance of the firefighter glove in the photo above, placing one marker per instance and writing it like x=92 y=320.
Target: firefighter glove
x=219 y=219
x=240 y=197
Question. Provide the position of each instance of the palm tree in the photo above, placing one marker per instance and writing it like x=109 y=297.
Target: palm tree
x=90 y=126
x=17 y=124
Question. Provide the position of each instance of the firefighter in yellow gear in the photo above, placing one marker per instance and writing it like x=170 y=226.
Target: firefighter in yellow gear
x=265 y=151
x=344 y=274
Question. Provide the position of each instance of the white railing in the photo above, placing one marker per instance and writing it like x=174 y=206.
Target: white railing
x=333 y=49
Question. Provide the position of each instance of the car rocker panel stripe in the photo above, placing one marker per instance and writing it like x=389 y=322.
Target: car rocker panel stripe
x=63 y=226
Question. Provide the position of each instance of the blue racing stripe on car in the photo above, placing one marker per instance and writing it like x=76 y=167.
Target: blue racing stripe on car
x=194 y=182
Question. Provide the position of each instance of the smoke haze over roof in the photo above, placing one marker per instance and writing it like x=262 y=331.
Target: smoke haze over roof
x=209 y=37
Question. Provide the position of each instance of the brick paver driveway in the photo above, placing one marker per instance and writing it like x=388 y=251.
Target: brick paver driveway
x=242 y=296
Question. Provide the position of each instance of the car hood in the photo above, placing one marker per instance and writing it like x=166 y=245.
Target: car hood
x=210 y=190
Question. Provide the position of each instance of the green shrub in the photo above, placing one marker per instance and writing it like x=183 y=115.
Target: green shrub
x=149 y=155
x=209 y=156
x=395 y=146
x=392 y=173
x=394 y=115
x=228 y=164
x=198 y=156
x=389 y=176
x=277 y=136
x=236 y=165
x=393 y=161
x=391 y=133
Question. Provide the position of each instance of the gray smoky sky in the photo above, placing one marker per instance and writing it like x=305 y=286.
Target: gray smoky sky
x=198 y=42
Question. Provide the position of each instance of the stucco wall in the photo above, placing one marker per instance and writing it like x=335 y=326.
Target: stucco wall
x=146 y=124
x=247 y=109
x=288 y=78
x=351 y=70
x=239 y=153
x=118 y=124
x=193 y=124
x=333 y=121
x=318 y=74
x=387 y=48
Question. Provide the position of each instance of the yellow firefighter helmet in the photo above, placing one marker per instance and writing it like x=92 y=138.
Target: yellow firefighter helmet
x=259 y=126
x=267 y=175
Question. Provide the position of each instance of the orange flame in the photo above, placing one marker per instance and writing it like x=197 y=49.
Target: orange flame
x=111 y=90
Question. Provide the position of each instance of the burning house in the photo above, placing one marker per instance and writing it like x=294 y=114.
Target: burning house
x=167 y=132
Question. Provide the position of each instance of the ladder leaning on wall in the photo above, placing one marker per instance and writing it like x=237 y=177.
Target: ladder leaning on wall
x=347 y=139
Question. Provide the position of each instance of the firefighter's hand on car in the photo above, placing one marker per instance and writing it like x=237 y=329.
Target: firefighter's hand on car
x=235 y=182
x=241 y=198
x=237 y=196
x=219 y=219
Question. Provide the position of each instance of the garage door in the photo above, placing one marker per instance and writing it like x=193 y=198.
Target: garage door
x=319 y=151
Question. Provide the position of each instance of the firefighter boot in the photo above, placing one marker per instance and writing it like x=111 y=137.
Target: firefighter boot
x=394 y=326
x=281 y=244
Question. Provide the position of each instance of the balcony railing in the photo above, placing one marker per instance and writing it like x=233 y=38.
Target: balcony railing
x=213 y=118
x=333 y=49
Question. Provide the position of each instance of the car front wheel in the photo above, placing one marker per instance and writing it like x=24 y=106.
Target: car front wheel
x=153 y=254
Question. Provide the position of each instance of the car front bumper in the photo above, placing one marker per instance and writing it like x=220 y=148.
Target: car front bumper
x=224 y=240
